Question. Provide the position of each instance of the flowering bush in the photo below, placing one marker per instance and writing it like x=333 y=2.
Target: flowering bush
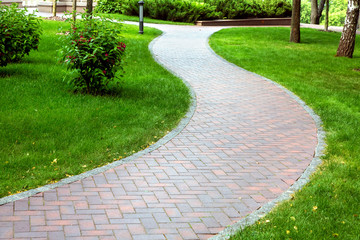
x=94 y=51
x=19 y=33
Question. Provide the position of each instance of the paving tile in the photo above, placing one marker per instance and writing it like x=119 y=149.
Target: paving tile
x=72 y=231
x=46 y=228
x=6 y=232
x=21 y=226
x=97 y=232
x=56 y=235
x=123 y=234
x=52 y=215
x=100 y=219
x=86 y=225
x=30 y=234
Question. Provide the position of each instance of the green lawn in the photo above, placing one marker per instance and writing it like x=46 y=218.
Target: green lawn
x=329 y=206
x=48 y=133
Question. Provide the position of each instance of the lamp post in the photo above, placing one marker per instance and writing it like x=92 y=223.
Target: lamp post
x=141 y=16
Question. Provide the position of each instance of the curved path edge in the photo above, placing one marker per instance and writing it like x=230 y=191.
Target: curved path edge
x=181 y=125
x=300 y=182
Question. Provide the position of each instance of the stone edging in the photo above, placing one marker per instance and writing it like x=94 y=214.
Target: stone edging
x=182 y=124
x=300 y=182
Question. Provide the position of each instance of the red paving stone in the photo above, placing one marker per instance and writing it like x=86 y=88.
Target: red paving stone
x=246 y=143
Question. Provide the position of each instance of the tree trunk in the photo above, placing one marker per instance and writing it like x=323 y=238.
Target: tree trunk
x=320 y=10
x=347 y=40
x=295 y=22
x=316 y=11
x=54 y=8
x=327 y=16
x=89 y=6
x=74 y=11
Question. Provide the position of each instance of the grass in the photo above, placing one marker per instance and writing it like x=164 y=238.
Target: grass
x=329 y=205
x=48 y=133
x=122 y=17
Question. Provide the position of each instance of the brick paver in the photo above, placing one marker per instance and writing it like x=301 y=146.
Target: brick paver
x=247 y=142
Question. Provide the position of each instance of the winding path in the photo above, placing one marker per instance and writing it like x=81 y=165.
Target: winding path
x=247 y=142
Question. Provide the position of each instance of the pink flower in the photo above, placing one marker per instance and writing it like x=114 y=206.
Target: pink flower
x=106 y=54
x=104 y=71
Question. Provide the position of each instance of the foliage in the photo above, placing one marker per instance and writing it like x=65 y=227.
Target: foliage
x=337 y=12
x=233 y=9
x=52 y=133
x=191 y=11
x=19 y=33
x=328 y=206
x=305 y=11
x=92 y=48
x=180 y=11
x=109 y=6
x=172 y=10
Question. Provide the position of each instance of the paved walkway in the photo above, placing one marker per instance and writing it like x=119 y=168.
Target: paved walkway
x=247 y=142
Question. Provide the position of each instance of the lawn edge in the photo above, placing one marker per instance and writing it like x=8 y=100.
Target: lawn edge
x=299 y=183
x=181 y=125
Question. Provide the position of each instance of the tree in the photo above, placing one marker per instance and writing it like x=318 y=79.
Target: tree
x=74 y=10
x=89 y=6
x=347 y=40
x=316 y=11
x=327 y=16
x=295 y=22
x=54 y=8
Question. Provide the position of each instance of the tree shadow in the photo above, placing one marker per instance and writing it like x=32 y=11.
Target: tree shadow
x=7 y=72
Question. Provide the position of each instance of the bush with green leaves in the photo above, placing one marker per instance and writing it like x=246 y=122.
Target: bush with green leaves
x=172 y=10
x=180 y=11
x=191 y=11
x=93 y=50
x=109 y=6
x=234 y=9
x=19 y=34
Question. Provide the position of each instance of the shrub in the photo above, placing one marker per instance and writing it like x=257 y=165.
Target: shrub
x=191 y=11
x=19 y=34
x=172 y=10
x=275 y=8
x=109 y=6
x=180 y=11
x=131 y=7
x=93 y=51
x=234 y=9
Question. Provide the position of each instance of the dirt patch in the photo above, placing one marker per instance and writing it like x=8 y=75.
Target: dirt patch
x=55 y=18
